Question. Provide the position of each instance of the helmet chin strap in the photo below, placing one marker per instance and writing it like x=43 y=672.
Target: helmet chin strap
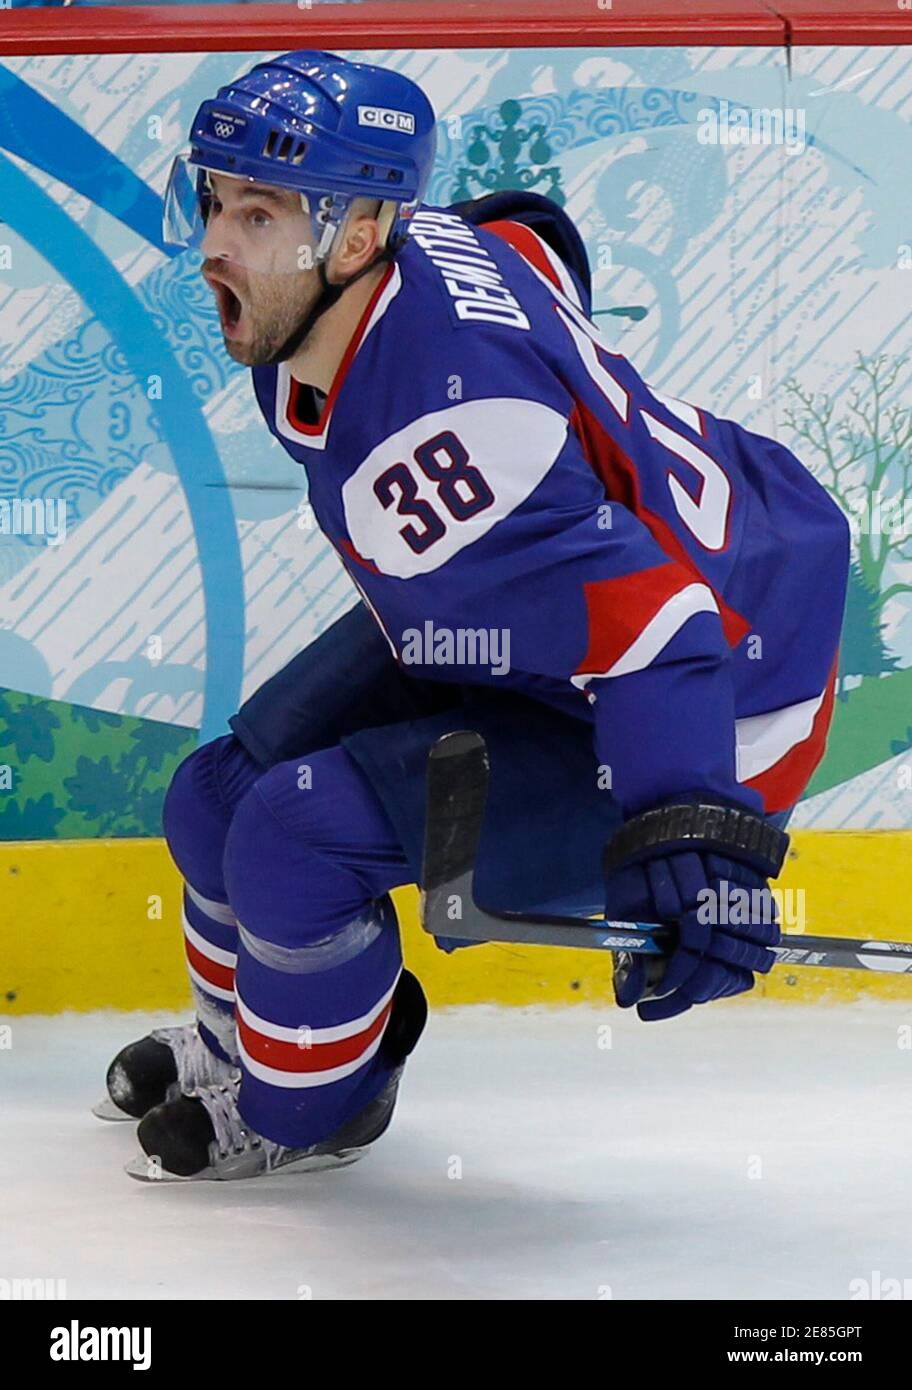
x=328 y=297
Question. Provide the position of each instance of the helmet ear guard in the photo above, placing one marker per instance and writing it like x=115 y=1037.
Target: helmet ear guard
x=387 y=216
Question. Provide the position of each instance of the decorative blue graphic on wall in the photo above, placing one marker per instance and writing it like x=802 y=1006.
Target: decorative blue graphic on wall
x=754 y=276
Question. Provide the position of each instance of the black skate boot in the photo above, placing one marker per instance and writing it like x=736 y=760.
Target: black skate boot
x=203 y=1137
x=166 y=1064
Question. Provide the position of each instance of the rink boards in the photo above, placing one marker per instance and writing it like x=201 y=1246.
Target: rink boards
x=96 y=924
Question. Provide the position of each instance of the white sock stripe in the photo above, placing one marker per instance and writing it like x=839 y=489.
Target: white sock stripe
x=219 y=912
x=335 y=950
x=206 y=948
x=294 y=1080
x=336 y=1033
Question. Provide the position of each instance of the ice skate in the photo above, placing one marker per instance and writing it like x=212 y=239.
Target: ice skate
x=203 y=1138
x=161 y=1067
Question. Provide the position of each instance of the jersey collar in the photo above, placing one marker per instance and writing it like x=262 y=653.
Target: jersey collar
x=288 y=422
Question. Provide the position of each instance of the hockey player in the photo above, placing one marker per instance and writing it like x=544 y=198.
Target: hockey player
x=636 y=603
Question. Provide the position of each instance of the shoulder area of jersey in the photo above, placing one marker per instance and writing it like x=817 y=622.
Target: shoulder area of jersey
x=471 y=272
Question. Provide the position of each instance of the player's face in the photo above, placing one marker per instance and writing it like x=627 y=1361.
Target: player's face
x=257 y=238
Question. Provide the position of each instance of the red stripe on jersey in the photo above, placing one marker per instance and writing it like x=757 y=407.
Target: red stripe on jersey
x=517 y=235
x=288 y=1056
x=346 y=545
x=620 y=608
x=783 y=783
x=209 y=970
x=609 y=462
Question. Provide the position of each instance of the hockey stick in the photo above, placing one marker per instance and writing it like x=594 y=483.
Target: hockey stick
x=457 y=789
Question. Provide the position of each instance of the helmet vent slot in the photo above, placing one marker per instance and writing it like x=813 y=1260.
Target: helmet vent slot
x=279 y=146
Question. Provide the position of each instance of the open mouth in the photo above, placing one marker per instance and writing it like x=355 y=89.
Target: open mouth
x=230 y=308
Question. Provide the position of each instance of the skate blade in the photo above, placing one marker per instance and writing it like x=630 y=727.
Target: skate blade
x=107 y=1110
x=142 y=1170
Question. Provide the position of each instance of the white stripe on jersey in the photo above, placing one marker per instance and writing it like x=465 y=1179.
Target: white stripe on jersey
x=568 y=284
x=658 y=632
x=762 y=739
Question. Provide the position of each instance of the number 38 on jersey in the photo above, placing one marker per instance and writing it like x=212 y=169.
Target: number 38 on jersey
x=445 y=480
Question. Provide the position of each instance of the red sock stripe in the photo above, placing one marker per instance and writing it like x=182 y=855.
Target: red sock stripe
x=210 y=970
x=288 y=1056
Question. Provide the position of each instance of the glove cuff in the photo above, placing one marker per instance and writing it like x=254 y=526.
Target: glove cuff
x=699 y=826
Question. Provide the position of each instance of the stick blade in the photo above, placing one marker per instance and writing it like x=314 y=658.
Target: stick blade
x=457 y=789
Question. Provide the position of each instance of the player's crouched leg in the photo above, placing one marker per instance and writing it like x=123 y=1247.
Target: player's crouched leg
x=201 y=800
x=325 y=1013
x=199 y=804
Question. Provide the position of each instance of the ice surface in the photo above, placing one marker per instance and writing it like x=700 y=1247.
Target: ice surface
x=584 y=1168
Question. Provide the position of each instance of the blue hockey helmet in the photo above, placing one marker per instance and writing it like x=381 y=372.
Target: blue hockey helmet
x=319 y=125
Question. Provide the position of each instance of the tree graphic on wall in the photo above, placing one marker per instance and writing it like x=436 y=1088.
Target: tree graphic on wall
x=863 y=456
x=863 y=651
x=861 y=450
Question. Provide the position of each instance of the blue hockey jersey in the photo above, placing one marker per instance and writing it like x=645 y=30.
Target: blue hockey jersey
x=519 y=508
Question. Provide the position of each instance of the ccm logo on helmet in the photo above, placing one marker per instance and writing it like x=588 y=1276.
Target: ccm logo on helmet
x=382 y=118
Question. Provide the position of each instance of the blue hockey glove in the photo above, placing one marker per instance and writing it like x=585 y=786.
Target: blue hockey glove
x=702 y=869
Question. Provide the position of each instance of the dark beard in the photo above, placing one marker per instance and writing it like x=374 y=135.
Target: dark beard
x=309 y=317
x=267 y=348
